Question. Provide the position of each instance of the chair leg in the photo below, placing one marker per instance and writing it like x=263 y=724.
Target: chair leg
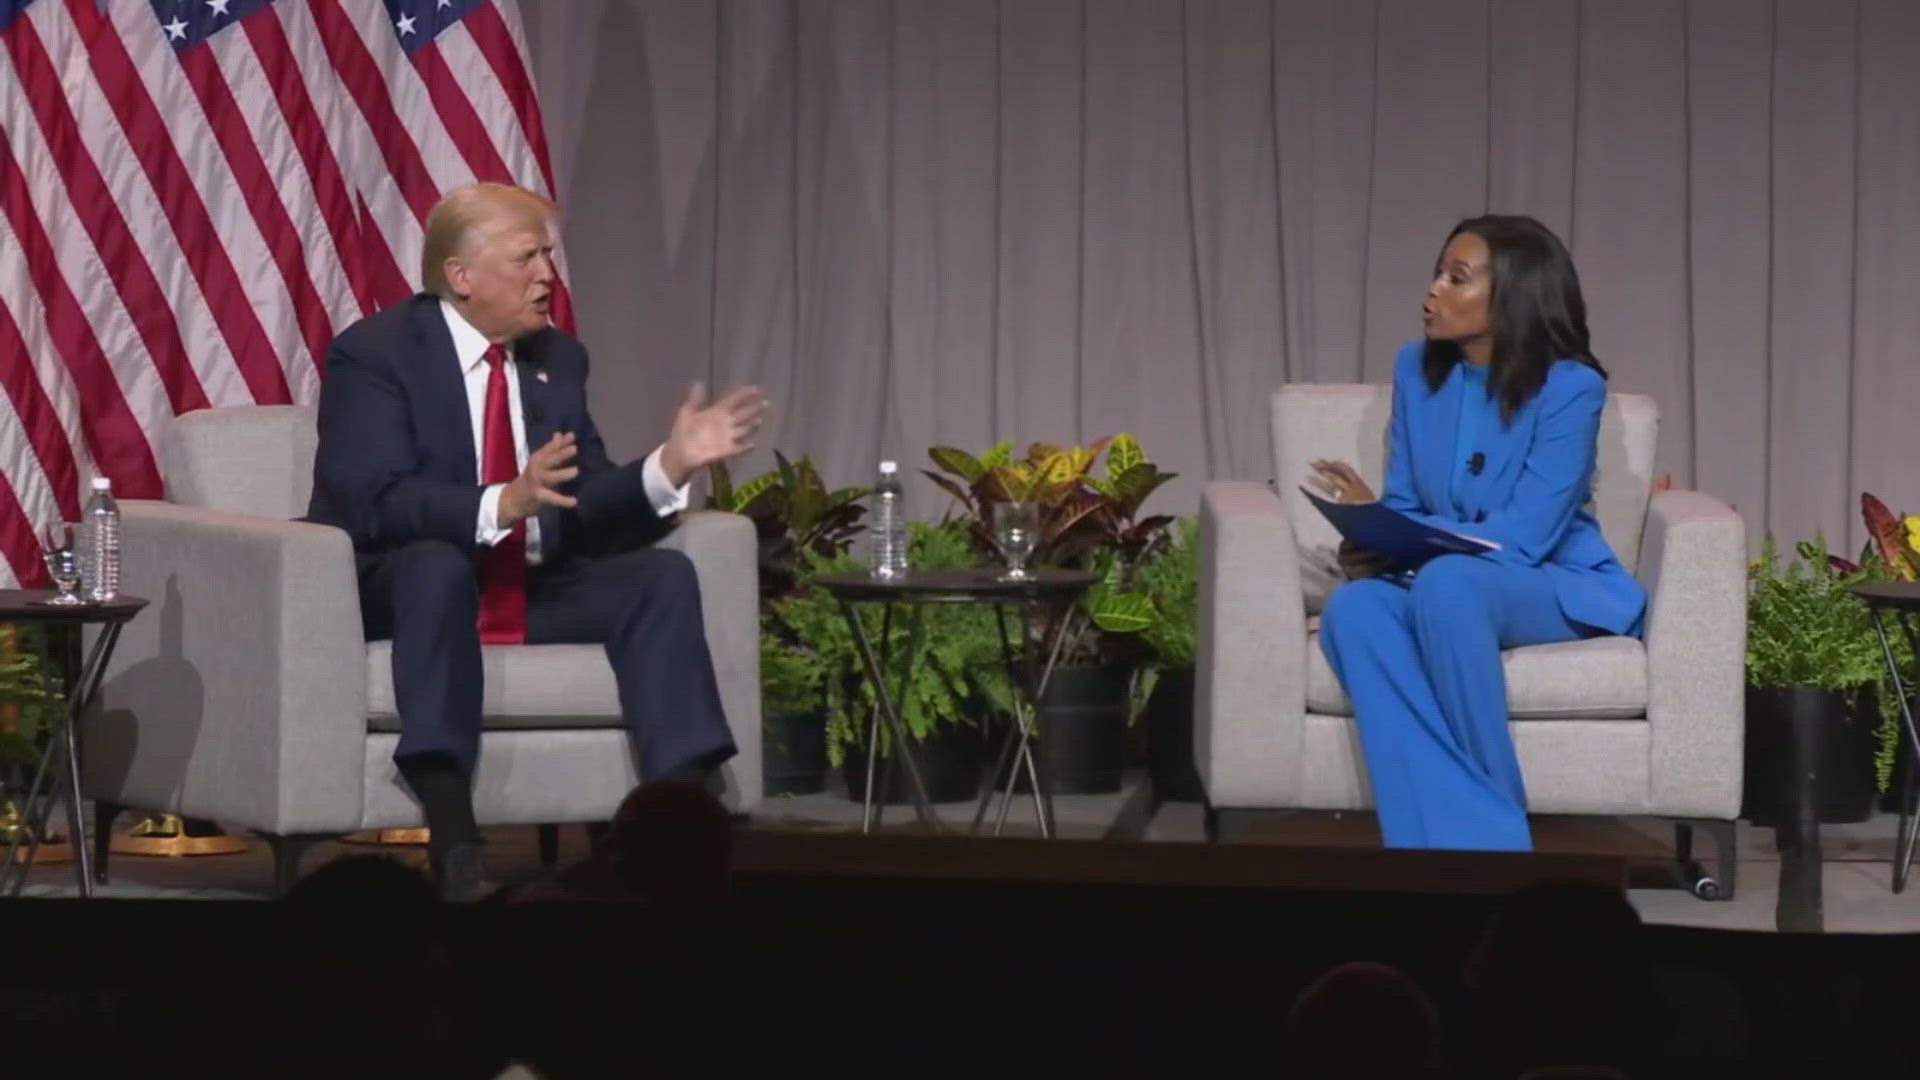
x=287 y=851
x=1227 y=826
x=597 y=831
x=1692 y=876
x=549 y=845
x=104 y=813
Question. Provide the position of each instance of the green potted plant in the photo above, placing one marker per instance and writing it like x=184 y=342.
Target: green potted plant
x=1894 y=542
x=1171 y=580
x=795 y=517
x=954 y=662
x=1089 y=519
x=26 y=710
x=1822 y=721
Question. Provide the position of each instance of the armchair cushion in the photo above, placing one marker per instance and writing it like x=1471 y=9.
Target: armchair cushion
x=527 y=686
x=1602 y=677
x=253 y=460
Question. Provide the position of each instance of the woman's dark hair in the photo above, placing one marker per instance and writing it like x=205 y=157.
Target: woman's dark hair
x=1535 y=311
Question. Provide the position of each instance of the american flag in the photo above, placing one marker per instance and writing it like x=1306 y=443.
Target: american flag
x=196 y=195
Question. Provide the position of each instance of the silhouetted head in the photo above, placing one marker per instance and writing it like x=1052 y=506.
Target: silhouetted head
x=671 y=839
x=1363 y=1019
x=1562 y=978
x=359 y=879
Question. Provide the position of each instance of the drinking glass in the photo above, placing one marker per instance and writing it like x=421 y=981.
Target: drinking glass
x=58 y=543
x=1016 y=528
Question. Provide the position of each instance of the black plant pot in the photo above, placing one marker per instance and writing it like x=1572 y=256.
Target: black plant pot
x=1169 y=722
x=950 y=760
x=794 y=753
x=1809 y=747
x=1084 y=718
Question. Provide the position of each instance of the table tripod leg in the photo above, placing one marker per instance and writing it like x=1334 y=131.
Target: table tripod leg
x=869 y=816
x=1909 y=825
x=85 y=686
x=1028 y=694
x=922 y=806
x=1909 y=822
x=992 y=777
x=1042 y=780
x=32 y=822
x=1017 y=735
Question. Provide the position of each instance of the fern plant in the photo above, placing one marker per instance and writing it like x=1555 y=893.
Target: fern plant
x=1805 y=628
x=958 y=674
x=26 y=706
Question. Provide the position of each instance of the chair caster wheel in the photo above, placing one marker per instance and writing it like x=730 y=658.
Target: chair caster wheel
x=1706 y=889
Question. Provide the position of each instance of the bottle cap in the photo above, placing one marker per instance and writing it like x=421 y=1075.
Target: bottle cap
x=101 y=483
x=888 y=466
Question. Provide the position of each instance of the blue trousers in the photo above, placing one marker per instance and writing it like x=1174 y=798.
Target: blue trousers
x=1421 y=663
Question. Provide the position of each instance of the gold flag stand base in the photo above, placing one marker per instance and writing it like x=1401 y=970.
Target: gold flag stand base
x=398 y=837
x=169 y=836
x=54 y=849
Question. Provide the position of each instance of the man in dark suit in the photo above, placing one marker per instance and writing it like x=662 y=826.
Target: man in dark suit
x=457 y=451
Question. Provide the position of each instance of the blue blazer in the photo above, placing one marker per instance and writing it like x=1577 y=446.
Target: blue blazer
x=396 y=461
x=1531 y=493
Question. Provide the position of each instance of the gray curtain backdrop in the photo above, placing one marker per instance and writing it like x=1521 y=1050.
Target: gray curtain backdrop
x=926 y=221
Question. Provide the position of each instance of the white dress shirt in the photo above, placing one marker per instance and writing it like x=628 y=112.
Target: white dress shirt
x=470 y=346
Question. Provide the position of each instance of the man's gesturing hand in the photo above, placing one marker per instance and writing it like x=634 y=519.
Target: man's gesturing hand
x=547 y=468
x=703 y=434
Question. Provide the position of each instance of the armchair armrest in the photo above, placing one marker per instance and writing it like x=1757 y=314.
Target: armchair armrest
x=1693 y=561
x=1251 y=661
x=240 y=693
x=726 y=559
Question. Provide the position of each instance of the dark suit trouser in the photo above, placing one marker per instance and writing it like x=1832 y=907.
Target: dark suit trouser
x=644 y=606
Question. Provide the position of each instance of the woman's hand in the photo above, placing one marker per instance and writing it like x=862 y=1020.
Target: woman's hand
x=1340 y=482
x=1357 y=562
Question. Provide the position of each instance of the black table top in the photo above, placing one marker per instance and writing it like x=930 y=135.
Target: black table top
x=1898 y=595
x=30 y=605
x=960 y=586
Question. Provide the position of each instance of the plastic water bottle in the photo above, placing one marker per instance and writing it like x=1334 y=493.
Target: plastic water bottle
x=887 y=529
x=102 y=573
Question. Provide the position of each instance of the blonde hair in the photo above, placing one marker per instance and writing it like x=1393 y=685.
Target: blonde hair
x=456 y=217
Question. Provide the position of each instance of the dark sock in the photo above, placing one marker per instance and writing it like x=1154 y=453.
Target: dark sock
x=445 y=797
x=700 y=770
x=689 y=774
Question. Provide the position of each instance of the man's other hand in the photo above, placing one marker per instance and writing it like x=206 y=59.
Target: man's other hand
x=538 y=484
x=705 y=433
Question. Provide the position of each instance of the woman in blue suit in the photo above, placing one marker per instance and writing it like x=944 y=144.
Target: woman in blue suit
x=1494 y=432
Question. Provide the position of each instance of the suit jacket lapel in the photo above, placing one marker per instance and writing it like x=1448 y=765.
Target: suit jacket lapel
x=1506 y=448
x=1434 y=458
x=448 y=418
x=537 y=413
x=536 y=410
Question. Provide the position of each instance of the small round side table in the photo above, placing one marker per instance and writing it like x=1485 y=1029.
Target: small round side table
x=1055 y=589
x=61 y=759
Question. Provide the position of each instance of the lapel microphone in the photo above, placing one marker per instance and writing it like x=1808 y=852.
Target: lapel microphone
x=1477 y=462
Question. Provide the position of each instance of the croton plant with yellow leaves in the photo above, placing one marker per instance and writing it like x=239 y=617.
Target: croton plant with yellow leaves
x=1089 y=519
x=1893 y=538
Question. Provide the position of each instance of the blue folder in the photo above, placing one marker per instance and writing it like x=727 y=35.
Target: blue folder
x=1404 y=542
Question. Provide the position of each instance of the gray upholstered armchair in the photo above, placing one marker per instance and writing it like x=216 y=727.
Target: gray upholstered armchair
x=1606 y=726
x=247 y=694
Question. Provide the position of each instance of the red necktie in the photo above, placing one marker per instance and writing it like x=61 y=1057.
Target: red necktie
x=503 y=567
